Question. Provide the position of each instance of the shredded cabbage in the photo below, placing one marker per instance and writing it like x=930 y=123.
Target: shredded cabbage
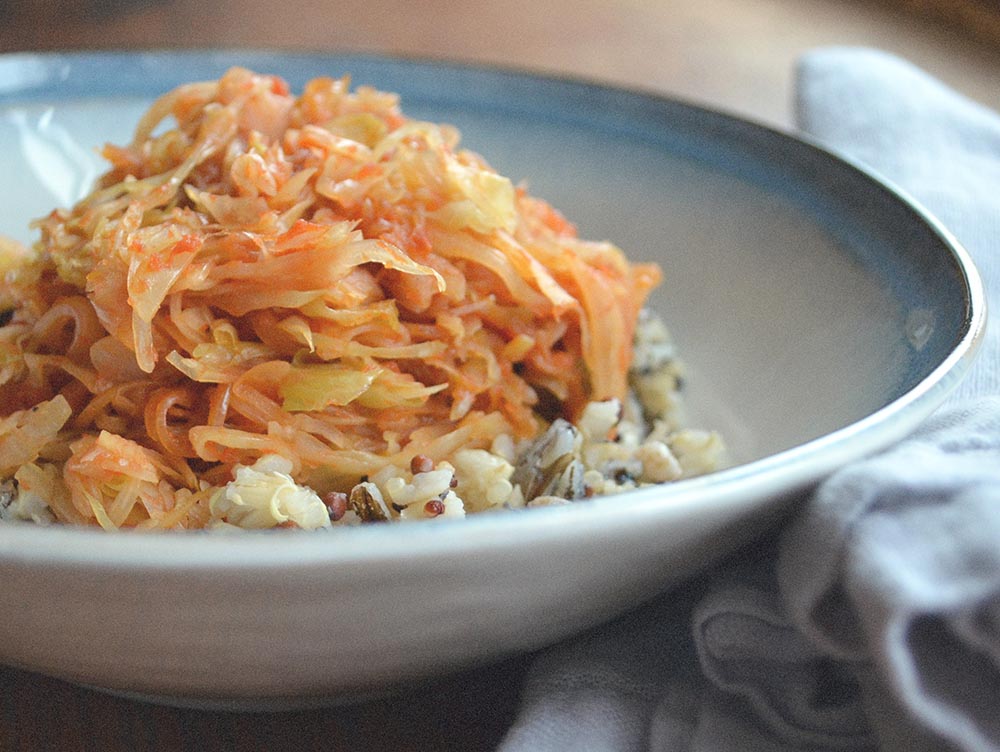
x=312 y=277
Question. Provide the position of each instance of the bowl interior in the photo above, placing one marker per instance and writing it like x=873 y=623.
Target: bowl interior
x=803 y=296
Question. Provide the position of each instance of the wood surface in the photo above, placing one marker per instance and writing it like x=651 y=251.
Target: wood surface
x=734 y=54
x=737 y=55
x=468 y=713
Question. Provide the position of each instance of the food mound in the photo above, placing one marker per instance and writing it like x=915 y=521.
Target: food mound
x=308 y=311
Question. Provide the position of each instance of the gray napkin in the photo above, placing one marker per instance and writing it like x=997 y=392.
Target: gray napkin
x=872 y=619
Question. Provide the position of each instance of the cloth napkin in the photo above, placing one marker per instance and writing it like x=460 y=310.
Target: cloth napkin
x=871 y=619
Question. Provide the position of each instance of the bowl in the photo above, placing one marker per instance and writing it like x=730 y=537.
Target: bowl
x=821 y=314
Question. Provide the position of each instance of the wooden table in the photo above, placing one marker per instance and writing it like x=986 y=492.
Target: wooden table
x=734 y=54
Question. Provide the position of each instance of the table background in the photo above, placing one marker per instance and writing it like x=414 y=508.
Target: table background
x=736 y=55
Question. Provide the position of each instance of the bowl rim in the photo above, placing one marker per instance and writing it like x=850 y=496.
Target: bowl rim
x=783 y=473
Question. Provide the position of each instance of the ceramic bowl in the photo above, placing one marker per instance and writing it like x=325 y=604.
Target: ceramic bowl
x=821 y=313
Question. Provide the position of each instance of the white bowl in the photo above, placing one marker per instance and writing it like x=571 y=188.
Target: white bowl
x=821 y=314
